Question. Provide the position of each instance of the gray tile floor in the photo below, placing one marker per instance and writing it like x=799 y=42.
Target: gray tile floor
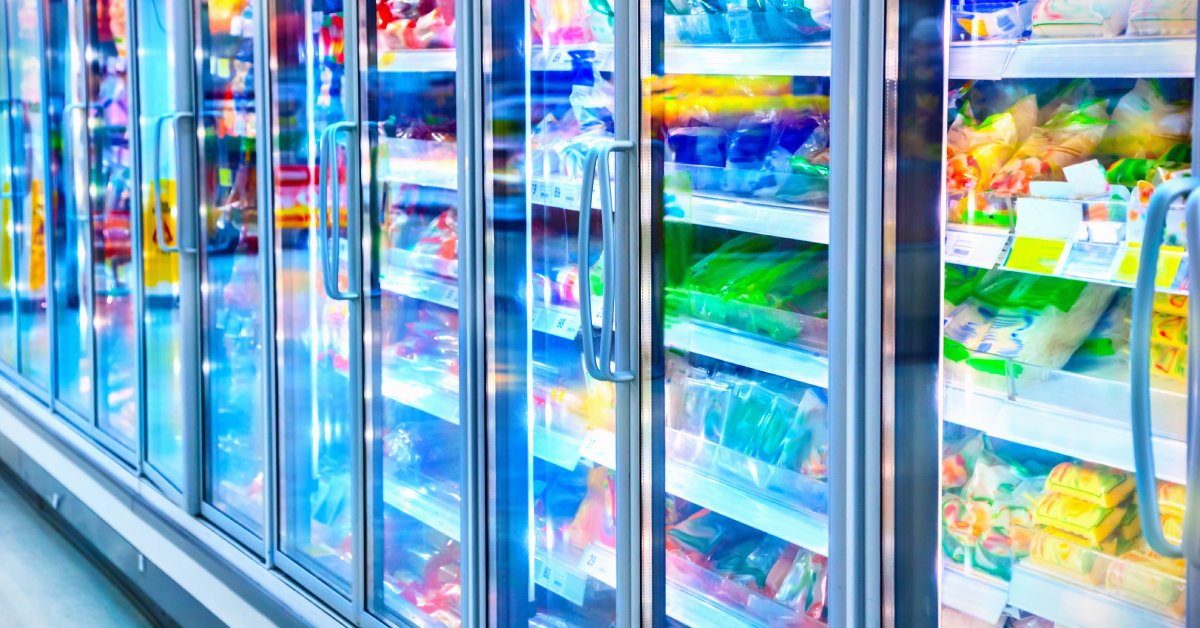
x=46 y=581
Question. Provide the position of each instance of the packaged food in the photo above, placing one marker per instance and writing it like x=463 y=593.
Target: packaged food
x=1080 y=18
x=1146 y=126
x=976 y=151
x=702 y=534
x=1089 y=521
x=989 y=19
x=1065 y=557
x=1029 y=318
x=750 y=406
x=1168 y=329
x=1172 y=528
x=805 y=447
x=798 y=20
x=1171 y=498
x=1167 y=303
x=1097 y=484
x=1162 y=18
x=1067 y=138
x=1149 y=580
x=1168 y=361
x=806 y=585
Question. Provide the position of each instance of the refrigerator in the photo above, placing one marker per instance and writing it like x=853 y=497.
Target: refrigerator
x=1051 y=379
x=664 y=294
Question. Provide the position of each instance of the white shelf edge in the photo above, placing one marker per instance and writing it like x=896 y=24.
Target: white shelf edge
x=1044 y=427
x=764 y=60
x=808 y=225
x=1118 y=57
x=428 y=60
x=790 y=362
x=695 y=609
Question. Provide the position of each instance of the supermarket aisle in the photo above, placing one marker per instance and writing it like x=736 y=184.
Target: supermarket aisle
x=46 y=581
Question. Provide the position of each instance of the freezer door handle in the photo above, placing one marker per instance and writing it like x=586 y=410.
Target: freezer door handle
x=1139 y=368
x=327 y=230
x=600 y=368
x=156 y=183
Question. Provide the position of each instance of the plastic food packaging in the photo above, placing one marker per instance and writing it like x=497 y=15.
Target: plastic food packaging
x=1145 y=125
x=1093 y=19
x=976 y=20
x=798 y=20
x=1097 y=484
x=1171 y=498
x=1150 y=580
x=1067 y=558
x=1067 y=138
x=1162 y=18
x=1081 y=518
x=806 y=585
x=975 y=152
x=1033 y=319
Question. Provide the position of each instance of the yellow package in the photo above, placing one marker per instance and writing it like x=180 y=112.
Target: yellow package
x=1172 y=529
x=1094 y=483
x=1166 y=303
x=1168 y=361
x=1065 y=557
x=1169 y=330
x=1171 y=498
x=1091 y=522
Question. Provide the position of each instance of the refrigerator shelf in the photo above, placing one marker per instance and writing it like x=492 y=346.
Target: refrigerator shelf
x=414 y=393
x=560 y=191
x=693 y=598
x=424 y=287
x=757 y=353
x=982 y=597
x=772 y=219
x=436 y=60
x=1070 y=413
x=774 y=60
x=556 y=572
x=1118 y=57
x=1070 y=604
x=426 y=508
x=1094 y=262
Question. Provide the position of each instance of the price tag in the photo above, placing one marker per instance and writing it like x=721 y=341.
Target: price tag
x=444 y=294
x=570 y=196
x=562 y=323
x=223 y=69
x=225 y=177
x=1169 y=260
x=600 y=563
x=974 y=249
x=600 y=446
x=559 y=579
x=1048 y=219
x=1035 y=255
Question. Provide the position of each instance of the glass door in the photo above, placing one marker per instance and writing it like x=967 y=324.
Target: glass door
x=1069 y=146
x=67 y=99
x=559 y=123
x=168 y=209
x=414 y=355
x=111 y=196
x=318 y=331
x=741 y=114
x=27 y=132
x=236 y=336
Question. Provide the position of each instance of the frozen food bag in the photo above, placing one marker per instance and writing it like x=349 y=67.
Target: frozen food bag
x=1036 y=319
x=716 y=407
x=798 y=20
x=1166 y=303
x=1067 y=138
x=1095 y=483
x=1066 y=557
x=1146 y=126
x=1080 y=18
x=703 y=534
x=1162 y=18
x=991 y=19
x=752 y=570
x=805 y=587
x=1091 y=522
x=698 y=146
x=1168 y=361
x=805 y=447
x=746 y=21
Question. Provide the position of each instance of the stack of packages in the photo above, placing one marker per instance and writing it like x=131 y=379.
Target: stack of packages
x=1090 y=532
x=1169 y=336
x=1105 y=353
x=987 y=503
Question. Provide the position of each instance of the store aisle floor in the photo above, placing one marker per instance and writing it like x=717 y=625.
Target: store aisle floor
x=47 y=581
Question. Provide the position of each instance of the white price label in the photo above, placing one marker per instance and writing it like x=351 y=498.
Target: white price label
x=600 y=446
x=600 y=563
x=560 y=580
x=974 y=249
x=444 y=294
x=563 y=324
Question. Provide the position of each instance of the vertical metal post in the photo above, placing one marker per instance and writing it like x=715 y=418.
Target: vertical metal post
x=855 y=253
x=472 y=304
x=137 y=250
x=266 y=233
